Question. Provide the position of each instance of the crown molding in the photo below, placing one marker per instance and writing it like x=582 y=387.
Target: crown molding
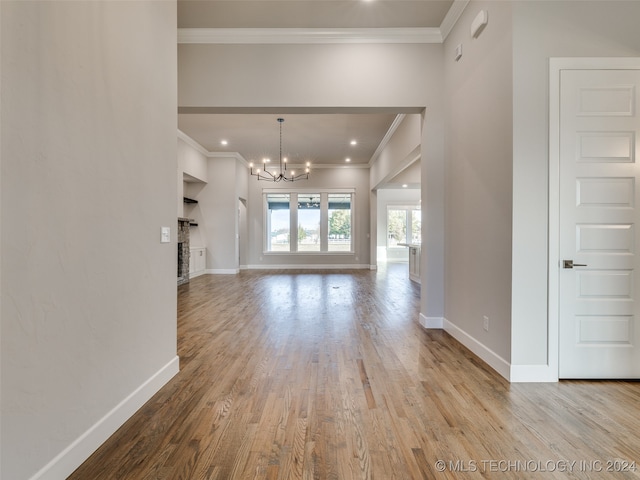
x=350 y=166
x=383 y=143
x=191 y=142
x=308 y=35
x=235 y=155
x=452 y=17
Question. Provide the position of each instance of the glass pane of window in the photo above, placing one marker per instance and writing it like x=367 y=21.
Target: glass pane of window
x=278 y=222
x=309 y=222
x=396 y=227
x=416 y=226
x=339 y=222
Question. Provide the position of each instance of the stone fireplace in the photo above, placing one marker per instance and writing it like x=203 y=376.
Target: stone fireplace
x=183 y=250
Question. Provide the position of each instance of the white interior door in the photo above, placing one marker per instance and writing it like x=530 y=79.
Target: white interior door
x=599 y=326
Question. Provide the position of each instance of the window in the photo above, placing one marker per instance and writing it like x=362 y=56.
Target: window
x=396 y=227
x=416 y=226
x=309 y=222
x=278 y=223
x=339 y=217
x=404 y=225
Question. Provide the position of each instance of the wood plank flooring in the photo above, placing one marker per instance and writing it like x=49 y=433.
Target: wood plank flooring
x=327 y=375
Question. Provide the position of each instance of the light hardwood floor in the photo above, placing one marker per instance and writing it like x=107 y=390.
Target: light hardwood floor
x=327 y=375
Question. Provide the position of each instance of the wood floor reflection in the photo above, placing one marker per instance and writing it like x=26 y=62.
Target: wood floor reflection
x=327 y=375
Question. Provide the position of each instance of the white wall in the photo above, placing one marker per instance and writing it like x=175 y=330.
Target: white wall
x=88 y=121
x=432 y=185
x=542 y=30
x=402 y=149
x=410 y=176
x=340 y=75
x=191 y=179
x=218 y=203
x=242 y=193
x=192 y=160
x=478 y=182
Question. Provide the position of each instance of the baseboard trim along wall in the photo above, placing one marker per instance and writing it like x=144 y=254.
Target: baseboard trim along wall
x=431 y=322
x=75 y=454
x=533 y=373
x=222 y=271
x=490 y=357
x=340 y=266
x=513 y=373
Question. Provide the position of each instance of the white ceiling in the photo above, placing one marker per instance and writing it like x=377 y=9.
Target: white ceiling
x=322 y=138
x=318 y=138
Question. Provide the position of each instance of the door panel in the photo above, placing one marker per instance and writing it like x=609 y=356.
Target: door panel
x=599 y=127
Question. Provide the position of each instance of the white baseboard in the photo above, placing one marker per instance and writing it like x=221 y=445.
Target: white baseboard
x=431 y=322
x=222 y=271
x=80 y=449
x=340 y=266
x=196 y=274
x=533 y=373
x=373 y=267
x=490 y=357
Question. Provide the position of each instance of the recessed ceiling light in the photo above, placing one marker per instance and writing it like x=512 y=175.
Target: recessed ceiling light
x=354 y=142
x=404 y=185
x=224 y=142
x=347 y=160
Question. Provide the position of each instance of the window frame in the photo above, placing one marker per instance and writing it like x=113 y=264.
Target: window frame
x=294 y=193
x=408 y=209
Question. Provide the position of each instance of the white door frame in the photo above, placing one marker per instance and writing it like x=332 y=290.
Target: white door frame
x=556 y=65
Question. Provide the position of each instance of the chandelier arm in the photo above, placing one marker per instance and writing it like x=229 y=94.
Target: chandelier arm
x=281 y=176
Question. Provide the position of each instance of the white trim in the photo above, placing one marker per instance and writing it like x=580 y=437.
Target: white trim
x=319 y=166
x=373 y=267
x=317 y=253
x=222 y=271
x=487 y=355
x=80 y=449
x=235 y=155
x=190 y=141
x=452 y=16
x=533 y=374
x=556 y=65
x=412 y=35
x=309 y=190
x=196 y=274
x=341 y=266
x=387 y=137
x=431 y=322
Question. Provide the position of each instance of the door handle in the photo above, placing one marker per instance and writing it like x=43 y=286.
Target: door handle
x=570 y=264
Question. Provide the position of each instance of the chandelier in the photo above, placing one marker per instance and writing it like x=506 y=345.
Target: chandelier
x=281 y=174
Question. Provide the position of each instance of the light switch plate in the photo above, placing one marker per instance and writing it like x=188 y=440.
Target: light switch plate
x=165 y=234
